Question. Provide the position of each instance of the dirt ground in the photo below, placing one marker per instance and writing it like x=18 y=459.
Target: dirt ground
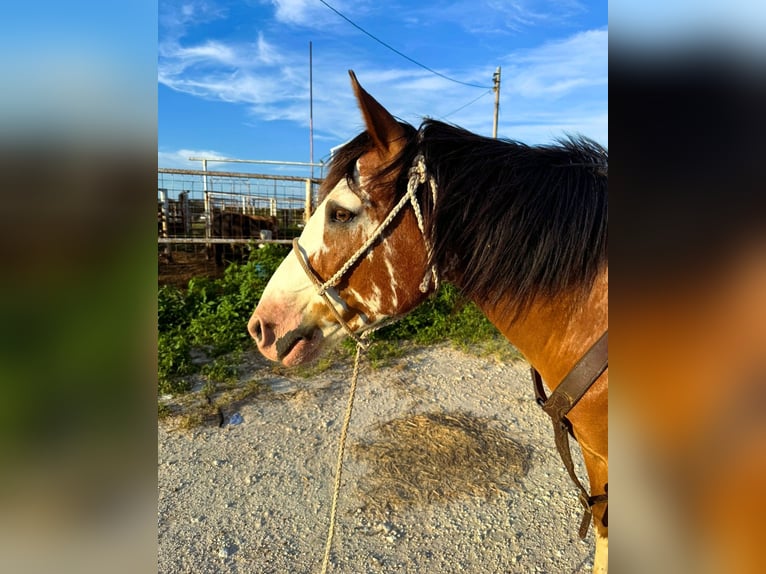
x=450 y=467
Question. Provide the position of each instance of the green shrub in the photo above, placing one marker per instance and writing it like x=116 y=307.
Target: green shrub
x=446 y=316
x=173 y=362
x=210 y=314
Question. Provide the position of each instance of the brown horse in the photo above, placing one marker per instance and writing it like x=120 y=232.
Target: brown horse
x=521 y=230
x=234 y=225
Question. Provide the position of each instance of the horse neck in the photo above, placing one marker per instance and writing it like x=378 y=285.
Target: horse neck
x=555 y=333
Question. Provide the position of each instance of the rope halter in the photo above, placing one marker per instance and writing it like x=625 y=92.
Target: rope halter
x=418 y=175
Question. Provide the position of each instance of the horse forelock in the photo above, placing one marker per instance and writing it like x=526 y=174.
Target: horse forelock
x=345 y=163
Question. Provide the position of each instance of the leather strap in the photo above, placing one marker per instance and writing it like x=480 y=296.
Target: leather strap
x=318 y=284
x=564 y=397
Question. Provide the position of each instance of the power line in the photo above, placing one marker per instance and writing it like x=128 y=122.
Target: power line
x=468 y=104
x=406 y=57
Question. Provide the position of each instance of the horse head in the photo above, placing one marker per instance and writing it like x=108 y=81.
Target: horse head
x=294 y=322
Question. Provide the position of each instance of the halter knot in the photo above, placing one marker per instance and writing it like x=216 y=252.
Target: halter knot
x=418 y=176
x=418 y=170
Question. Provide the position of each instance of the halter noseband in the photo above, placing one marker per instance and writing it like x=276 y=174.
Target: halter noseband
x=418 y=175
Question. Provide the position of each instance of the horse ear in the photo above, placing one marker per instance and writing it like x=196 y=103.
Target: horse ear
x=385 y=131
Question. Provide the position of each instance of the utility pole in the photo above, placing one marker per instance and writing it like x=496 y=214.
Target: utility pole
x=496 y=89
x=311 y=110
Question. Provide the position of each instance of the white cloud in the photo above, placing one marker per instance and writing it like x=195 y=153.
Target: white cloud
x=548 y=92
x=210 y=51
x=177 y=58
x=558 y=68
x=175 y=17
x=309 y=13
x=180 y=158
x=259 y=75
x=267 y=53
x=483 y=17
x=296 y=11
x=245 y=73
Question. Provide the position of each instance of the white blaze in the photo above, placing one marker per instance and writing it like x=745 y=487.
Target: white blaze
x=291 y=286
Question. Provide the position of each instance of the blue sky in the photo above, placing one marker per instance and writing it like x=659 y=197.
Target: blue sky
x=233 y=77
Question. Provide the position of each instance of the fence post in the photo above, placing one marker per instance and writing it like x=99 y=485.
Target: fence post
x=186 y=217
x=165 y=217
x=307 y=211
x=208 y=210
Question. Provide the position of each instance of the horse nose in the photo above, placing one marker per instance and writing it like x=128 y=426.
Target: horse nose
x=261 y=331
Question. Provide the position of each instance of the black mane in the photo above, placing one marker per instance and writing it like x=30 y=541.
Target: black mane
x=517 y=220
x=511 y=220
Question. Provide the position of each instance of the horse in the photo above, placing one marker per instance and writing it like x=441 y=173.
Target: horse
x=521 y=230
x=235 y=225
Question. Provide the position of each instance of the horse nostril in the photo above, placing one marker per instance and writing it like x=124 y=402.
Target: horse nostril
x=256 y=329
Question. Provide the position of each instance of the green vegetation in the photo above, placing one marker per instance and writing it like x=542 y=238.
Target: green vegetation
x=210 y=315
x=208 y=320
x=446 y=316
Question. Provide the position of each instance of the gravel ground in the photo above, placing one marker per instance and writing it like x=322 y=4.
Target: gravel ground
x=255 y=496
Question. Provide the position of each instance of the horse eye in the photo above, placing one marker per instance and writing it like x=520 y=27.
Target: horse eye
x=342 y=215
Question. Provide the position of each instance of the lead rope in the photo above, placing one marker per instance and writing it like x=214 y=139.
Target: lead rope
x=418 y=174
x=339 y=463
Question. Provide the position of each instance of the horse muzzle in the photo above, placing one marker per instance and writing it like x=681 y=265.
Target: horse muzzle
x=280 y=342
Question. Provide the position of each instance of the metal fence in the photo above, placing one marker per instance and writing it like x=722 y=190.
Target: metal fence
x=205 y=207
